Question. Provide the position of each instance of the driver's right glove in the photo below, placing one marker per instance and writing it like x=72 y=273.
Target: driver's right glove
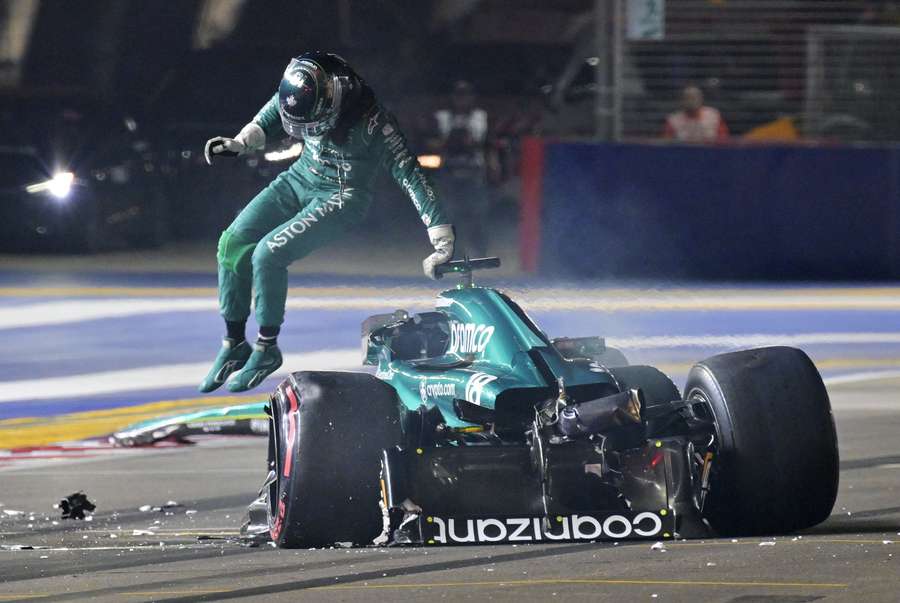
x=441 y=238
x=250 y=138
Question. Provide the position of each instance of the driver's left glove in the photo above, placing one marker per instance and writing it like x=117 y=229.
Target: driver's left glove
x=441 y=238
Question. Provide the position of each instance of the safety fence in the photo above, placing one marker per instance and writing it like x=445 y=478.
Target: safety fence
x=819 y=69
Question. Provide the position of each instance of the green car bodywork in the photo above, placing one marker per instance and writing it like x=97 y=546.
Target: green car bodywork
x=240 y=419
x=492 y=347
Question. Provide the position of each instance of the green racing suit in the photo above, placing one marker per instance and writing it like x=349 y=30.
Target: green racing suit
x=308 y=205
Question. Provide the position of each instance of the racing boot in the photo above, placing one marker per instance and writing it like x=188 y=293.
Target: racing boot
x=232 y=357
x=265 y=360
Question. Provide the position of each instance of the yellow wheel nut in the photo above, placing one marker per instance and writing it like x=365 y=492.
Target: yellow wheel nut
x=663 y=512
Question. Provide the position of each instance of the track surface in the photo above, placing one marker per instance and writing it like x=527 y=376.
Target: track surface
x=127 y=554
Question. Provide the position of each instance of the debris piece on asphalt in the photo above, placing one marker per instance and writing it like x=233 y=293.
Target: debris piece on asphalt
x=767 y=543
x=658 y=546
x=13 y=512
x=142 y=533
x=166 y=508
x=710 y=564
x=75 y=505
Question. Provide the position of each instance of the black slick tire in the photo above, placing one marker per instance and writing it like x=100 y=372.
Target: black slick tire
x=777 y=457
x=325 y=441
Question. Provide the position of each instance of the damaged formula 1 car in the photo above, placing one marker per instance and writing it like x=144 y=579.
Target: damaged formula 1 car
x=478 y=428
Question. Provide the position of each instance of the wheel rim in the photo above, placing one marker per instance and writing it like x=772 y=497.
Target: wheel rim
x=274 y=465
x=699 y=400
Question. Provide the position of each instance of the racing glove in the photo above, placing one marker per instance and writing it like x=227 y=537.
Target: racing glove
x=441 y=238
x=250 y=138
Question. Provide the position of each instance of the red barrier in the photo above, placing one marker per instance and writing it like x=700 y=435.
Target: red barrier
x=532 y=173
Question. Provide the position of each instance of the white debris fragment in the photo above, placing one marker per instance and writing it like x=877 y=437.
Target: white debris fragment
x=113 y=536
x=658 y=546
x=141 y=533
x=734 y=540
x=145 y=508
x=887 y=542
x=13 y=512
x=45 y=556
x=767 y=543
x=190 y=511
x=172 y=503
x=710 y=564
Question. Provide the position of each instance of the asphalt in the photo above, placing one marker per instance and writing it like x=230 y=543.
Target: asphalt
x=190 y=552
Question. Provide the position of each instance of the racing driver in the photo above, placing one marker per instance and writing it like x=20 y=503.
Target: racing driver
x=347 y=137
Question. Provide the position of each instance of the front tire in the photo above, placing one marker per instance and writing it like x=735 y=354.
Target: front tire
x=776 y=462
x=326 y=436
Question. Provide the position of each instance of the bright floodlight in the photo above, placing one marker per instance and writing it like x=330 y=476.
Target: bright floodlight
x=430 y=161
x=61 y=184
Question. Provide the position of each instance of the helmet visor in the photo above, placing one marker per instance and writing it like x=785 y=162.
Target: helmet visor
x=306 y=129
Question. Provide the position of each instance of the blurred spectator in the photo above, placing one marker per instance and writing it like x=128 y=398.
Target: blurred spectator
x=695 y=122
x=461 y=140
x=880 y=12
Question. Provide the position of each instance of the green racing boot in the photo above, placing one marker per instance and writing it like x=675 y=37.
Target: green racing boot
x=265 y=360
x=232 y=357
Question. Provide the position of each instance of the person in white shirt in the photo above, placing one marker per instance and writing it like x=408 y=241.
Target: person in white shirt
x=695 y=122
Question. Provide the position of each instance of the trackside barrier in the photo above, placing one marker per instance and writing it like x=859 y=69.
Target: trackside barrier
x=773 y=212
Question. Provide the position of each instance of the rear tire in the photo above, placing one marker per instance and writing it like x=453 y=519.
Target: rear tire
x=611 y=357
x=327 y=433
x=777 y=446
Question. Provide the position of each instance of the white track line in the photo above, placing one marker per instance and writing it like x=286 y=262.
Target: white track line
x=750 y=340
x=862 y=377
x=77 y=310
x=66 y=312
x=158 y=377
